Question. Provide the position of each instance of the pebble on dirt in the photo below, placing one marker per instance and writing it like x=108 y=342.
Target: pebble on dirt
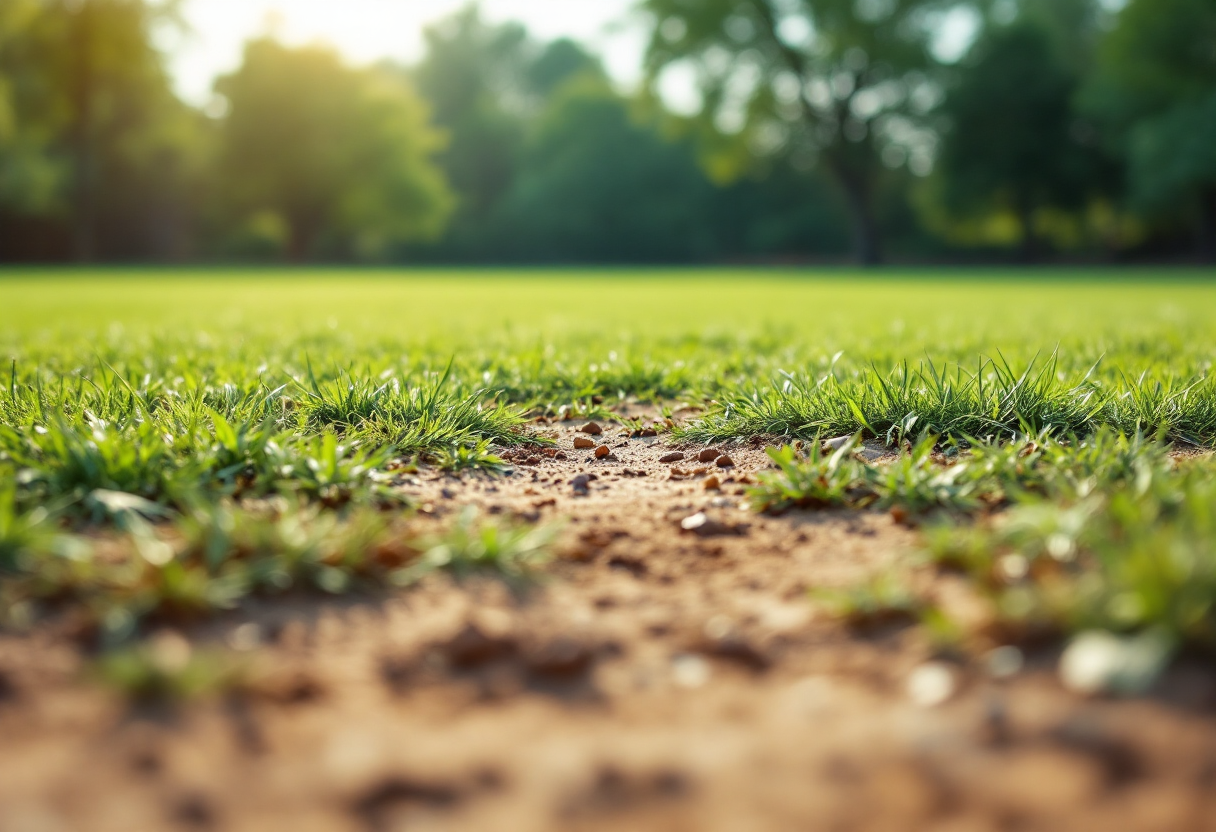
x=703 y=525
x=581 y=484
x=837 y=443
x=713 y=484
x=581 y=443
x=672 y=457
x=724 y=462
x=591 y=428
x=708 y=455
x=602 y=451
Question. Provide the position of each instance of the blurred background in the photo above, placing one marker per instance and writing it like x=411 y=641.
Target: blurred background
x=607 y=131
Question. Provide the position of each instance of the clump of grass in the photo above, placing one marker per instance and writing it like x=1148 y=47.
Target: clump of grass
x=165 y=669
x=215 y=557
x=413 y=419
x=471 y=546
x=992 y=402
x=1136 y=555
x=969 y=478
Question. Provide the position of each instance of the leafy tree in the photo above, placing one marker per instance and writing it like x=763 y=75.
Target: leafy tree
x=488 y=84
x=598 y=185
x=842 y=79
x=29 y=176
x=93 y=130
x=472 y=76
x=1012 y=141
x=334 y=160
x=1156 y=90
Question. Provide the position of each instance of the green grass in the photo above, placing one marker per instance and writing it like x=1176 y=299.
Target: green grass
x=157 y=407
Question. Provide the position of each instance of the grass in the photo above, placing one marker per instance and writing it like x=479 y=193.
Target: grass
x=174 y=442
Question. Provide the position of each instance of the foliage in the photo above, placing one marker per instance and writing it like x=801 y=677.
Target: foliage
x=346 y=168
x=836 y=80
x=1012 y=143
x=1154 y=88
x=1127 y=555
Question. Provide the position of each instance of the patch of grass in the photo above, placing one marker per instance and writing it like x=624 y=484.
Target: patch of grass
x=1131 y=556
x=214 y=557
x=471 y=546
x=965 y=479
x=171 y=443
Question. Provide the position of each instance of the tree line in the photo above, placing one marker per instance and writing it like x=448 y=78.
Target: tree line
x=823 y=130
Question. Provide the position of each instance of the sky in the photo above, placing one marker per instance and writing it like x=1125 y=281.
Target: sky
x=367 y=30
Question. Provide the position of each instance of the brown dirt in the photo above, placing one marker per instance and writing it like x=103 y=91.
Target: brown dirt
x=656 y=679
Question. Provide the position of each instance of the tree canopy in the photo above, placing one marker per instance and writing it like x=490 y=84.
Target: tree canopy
x=331 y=158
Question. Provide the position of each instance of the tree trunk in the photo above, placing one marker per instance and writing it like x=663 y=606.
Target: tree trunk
x=1207 y=225
x=83 y=188
x=867 y=240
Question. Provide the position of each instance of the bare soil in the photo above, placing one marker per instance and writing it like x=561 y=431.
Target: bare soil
x=656 y=678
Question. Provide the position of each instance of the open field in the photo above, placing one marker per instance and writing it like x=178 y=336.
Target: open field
x=331 y=550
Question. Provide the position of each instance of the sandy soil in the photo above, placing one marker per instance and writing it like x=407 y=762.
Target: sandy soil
x=657 y=678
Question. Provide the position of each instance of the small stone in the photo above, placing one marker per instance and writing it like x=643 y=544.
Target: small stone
x=708 y=455
x=703 y=525
x=690 y=671
x=581 y=485
x=837 y=443
x=581 y=443
x=591 y=428
x=931 y=684
x=696 y=521
x=724 y=462
x=672 y=457
x=713 y=484
x=602 y=451
x=647 y=433
x=1098 y=662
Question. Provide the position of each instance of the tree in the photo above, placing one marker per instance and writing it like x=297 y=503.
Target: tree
x=488 y=85
x=94 y=131
x=1011 y=141
x=597 y=185
x=1155 y=88
x=341 y=159
x=843 y=79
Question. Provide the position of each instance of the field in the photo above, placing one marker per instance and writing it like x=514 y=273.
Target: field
x=668 y=550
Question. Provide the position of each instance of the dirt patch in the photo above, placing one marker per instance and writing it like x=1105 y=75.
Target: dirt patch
x=667 y=673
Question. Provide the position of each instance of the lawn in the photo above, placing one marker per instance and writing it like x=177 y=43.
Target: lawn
x=161 y=406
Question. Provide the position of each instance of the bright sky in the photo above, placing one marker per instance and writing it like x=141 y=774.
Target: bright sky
x=366 y=30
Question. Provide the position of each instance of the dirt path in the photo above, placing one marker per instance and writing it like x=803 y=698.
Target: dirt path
x=659 y=678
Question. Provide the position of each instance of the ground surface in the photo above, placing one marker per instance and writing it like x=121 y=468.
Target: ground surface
x=668 y=670
x=657 y=678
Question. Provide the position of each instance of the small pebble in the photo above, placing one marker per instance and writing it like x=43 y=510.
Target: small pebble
x=591 y=428
x=724 y=462
x=713 y=484
x=581 y=443
x=1098 y=662
x=837 y=443
x=649 y=432
x=670 y=458
x=690 y=671
x=581 y=484
x=602 y=451
x=708 y=455
x=931 y=684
